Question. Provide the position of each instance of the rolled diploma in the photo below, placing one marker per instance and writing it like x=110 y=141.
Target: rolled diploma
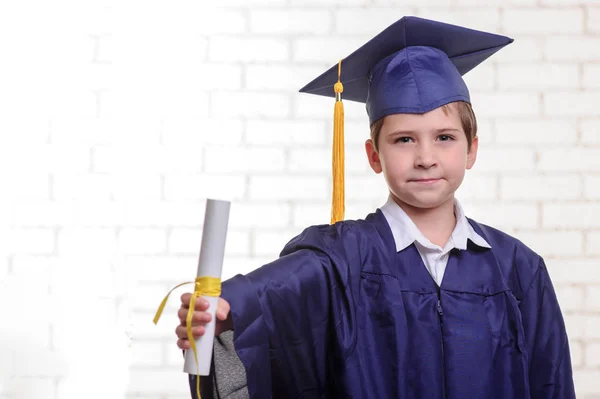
x=210 y=263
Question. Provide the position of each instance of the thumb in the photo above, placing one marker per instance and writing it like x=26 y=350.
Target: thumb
x=223 y=309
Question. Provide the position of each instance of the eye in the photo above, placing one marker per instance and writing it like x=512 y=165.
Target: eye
x=404 y=139
x=445 y=137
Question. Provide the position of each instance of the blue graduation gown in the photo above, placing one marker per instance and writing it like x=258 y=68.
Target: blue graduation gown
x=341 y=314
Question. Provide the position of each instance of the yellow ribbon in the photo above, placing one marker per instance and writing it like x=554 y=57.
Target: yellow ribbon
x=203 y=286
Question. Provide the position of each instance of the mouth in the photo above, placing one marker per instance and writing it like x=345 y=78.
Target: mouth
x=424 y=181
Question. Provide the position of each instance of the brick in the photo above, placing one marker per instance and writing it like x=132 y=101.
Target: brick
x=573 y=271
x=368 y=22
x=355 y=132
x=146 y=353
x=91 y=131
x=178 y=100
x=478 y=188
x=504 y=160
x=591 y=75
x=31 y=241
x=271 y=243
x=593 y=19
x=82 y=186
x=481 y=78
x=194 y=187
x=486 y=19
x=305 y=215
x=575 y=325
x=49 y=158
x=591 y=329
x=569 y=160
x=586 y=381
x=504 y=215
x=187 y=241
x=262 y=132
x=47 y=214
x=592 y=354
x=538 y=76
x=298 y=21
x=538 y=132
x=216 y=20
x=37 y=187
x=162 y=213
x=324 y=49
x=535 y=187
x=571 y=298
x=216 y=76
x=232 y=49
x=288 y=187
x=319 y=161
x=522 y=50
x=279 y=77
x=165 y=381
x=592 y=238
x=240 y=159
x=259 y=215
x=103 y=53
x=572 y=48
x=196 y=132
x=48 y=363
x=148 y=159
x=591 y=187
x=135 y=187
x=330 y=2
x=590 y=131
x=99 y=213
x=252 y=2
x=571 y=104
x=572 y=215
x=553 y=243
x=147 y=296
x=141 y=241
x=235 y=266
x=506 y=104
x=250 y=105
x=84 y=241
x=32 y=387
x=34 y=130
x=547 y=21
x=159 y=269
x=592 y=300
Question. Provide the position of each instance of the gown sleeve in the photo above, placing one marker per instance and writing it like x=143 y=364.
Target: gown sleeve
x=550 y=369
x=282 y=312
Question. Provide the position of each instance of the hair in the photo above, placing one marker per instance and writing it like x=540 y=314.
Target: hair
x=465 y=112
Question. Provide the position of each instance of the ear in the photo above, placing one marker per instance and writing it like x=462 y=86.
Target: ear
x=472 y=154
x=373 y=156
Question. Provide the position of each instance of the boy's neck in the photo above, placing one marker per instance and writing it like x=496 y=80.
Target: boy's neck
x=436 y=224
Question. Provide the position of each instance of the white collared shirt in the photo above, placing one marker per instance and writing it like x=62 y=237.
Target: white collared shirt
x=434 y=257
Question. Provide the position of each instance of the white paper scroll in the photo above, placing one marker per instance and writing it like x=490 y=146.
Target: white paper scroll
x=210 y=263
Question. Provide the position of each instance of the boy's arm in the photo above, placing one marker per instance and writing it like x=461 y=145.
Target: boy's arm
x=550 y=370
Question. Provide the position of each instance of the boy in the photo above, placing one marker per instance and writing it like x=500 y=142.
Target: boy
x=416 y=300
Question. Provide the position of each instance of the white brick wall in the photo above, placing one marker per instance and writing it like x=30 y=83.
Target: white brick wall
x=119 y=120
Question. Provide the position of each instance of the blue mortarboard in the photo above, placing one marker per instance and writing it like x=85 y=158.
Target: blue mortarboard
x=413 y=66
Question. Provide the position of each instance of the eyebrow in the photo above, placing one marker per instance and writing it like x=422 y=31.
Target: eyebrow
x=411 y=132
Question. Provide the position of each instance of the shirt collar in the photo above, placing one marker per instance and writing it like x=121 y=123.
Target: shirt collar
x=405 y=231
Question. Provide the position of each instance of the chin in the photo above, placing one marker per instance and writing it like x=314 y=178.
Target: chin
x=422 y=202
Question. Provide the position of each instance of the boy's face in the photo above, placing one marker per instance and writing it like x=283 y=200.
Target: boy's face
x=423 y=157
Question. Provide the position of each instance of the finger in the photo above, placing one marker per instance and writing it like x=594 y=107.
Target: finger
x=197 y=331
x=197 y=317
x=223 y=310
x=183 y=344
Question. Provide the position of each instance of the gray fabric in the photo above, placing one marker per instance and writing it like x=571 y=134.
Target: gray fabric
x=228 y=376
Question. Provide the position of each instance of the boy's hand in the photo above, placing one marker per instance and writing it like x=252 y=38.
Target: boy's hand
x=200 y=318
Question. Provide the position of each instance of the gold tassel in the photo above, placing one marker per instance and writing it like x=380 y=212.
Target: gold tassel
x=337 y=205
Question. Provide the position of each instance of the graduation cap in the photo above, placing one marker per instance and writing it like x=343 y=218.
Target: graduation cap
x=413 y=66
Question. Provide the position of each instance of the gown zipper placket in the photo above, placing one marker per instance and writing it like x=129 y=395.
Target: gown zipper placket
x=440 y=313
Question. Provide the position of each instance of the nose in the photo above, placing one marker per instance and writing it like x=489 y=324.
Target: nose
x=425 y=157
